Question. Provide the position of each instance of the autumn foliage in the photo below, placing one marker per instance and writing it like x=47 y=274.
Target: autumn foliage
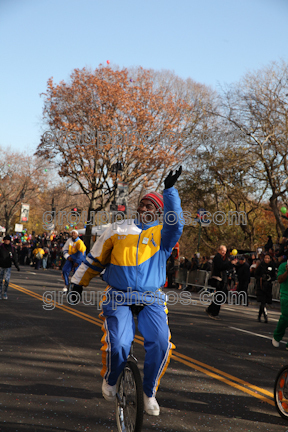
x=232 y=145
x=110 y=101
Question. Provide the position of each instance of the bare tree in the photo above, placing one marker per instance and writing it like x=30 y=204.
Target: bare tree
x=257 y=107
x=22 y=180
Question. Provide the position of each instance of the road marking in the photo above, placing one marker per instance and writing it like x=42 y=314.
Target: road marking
x=68 y=309
x=230 y=383
x=239 y=380
x=250 y=313
x=188 y=361
x=255 y=334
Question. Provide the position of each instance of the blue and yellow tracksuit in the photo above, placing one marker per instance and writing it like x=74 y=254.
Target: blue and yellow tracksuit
x=134 y=256
x=75 y=249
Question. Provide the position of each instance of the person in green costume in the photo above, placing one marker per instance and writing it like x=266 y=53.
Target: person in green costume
x=283 y=320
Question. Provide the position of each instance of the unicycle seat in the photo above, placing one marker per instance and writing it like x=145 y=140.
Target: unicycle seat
x=135 y=308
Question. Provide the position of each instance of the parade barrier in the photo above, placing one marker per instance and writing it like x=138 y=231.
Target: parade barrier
x=195 y=278
x=275 y=289
x=199 y=279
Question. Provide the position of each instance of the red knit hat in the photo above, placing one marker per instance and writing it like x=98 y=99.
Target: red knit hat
x=156 y=199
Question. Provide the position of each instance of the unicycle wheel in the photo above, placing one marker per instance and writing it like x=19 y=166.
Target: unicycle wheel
x=281 y=392
x=129 y=399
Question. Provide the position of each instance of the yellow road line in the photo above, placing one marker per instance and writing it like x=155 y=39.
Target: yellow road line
x=194 y=362
x=188 y=361
x=220 y=378
x=225 y=374
x=65 y=308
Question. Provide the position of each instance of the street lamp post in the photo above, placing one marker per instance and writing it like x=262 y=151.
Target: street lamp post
x=200 y=218
x=199 y=235
x=115 y=168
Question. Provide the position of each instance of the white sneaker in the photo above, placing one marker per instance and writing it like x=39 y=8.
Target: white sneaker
x=5 y=296
x=275 y=343
x=108 y=392
x=151 y=405
x=65 y=289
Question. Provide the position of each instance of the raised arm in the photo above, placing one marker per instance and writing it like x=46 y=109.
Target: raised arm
x=172 y=226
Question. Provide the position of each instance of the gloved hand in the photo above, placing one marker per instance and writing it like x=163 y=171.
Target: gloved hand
x=171 y=179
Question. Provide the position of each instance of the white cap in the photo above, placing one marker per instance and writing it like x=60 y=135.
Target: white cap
x=74 y=231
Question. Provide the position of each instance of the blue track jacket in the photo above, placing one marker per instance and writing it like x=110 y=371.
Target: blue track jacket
x=75 y=249
x=135 y=254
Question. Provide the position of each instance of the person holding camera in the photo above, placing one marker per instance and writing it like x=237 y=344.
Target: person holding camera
x=8 y=255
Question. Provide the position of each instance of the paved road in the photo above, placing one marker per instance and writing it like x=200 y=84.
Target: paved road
x=220 y=377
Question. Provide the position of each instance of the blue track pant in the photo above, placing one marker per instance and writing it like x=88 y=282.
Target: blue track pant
x=68 y=266
x=119 y=332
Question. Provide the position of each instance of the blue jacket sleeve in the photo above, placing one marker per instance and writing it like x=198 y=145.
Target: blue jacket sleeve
x=65 y=249
x=78 y=257
x=172 y=224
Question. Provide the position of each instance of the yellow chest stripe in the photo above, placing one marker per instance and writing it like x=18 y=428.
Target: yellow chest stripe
x=125 y=247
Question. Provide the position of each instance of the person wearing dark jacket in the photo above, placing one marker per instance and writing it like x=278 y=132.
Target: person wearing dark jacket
x=194 y=263
x=265 y=275
x=283 y=247
x=219 y=267
x=269 y=244
x=243 y=274
x=184 y=266
x=7 y=257
x=170 y=269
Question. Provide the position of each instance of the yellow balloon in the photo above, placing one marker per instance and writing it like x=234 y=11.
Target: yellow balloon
x=234 y=252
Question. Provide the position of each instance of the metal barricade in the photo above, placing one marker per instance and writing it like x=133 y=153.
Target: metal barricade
x=181 y=276
x=275 y=289
x=196 y=278
x=199 y=279
x=251 y=291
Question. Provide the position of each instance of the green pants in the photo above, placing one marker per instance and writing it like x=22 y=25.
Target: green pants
x=283 y=321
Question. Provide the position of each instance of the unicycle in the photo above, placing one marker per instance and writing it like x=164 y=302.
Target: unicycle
x=129 y=394
x=281 y=392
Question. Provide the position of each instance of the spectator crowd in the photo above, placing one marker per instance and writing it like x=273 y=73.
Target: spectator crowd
x=41 y=251
x=232 y=273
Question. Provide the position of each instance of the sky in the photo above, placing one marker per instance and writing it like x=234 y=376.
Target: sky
x=214 y=42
